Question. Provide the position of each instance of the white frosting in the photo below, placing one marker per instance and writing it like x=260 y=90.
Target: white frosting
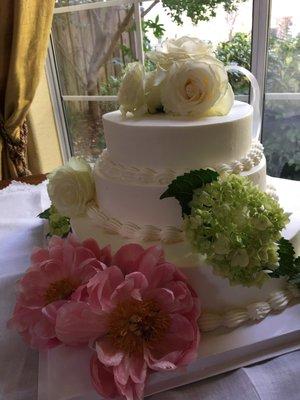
x=163 y=142
x=147 y=176
x=141 y=204
x=277 y=301
x=143 y=156
x=222 y=304
x=131 y=230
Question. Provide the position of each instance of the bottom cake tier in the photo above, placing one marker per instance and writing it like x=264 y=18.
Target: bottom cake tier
x=223 y=305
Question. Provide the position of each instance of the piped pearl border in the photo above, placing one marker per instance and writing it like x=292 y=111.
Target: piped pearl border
x=145 y=233
x=130 y=230
x=146 y=176
x=277 y=301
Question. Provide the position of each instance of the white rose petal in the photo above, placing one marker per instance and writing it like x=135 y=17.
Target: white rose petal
x=153 y=92
x=131 y=95
x=181 y=49
x=71 y=187
x=224 y=104
x=192 y=87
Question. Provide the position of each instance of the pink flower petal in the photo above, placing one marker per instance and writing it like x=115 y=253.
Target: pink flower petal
x=127 y=257
x=133 y=286
x=139 y=280
x=122 y=372
x=124 y=292
x=150 y=258
x=50 y=310
x=76 y=323
x=102 y=378
x=35 y=329
x=131 y=391
x=102 y=286
x=177 y=346
x=159 y=275
x=103 y=255
x=165 y=297
x=39 y=255
x=107 y=353
x=137 y=369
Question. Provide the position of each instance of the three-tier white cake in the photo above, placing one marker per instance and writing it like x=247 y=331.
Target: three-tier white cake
x=183 y=172
x=143 y=156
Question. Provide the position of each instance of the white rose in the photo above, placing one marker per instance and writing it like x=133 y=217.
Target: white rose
x=180 y=49
x=71 y=187
x=131 y=95
x=192 y=88
x=153 y=92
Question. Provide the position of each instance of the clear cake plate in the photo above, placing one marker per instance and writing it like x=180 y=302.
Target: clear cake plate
x=64 y=371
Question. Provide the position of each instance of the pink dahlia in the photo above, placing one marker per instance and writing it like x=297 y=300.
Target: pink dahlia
x=56 y=275
x=140 y=315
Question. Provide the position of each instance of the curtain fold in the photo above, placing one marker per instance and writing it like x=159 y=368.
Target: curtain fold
x=24 y=33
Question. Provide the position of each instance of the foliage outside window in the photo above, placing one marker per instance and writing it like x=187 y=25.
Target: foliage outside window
x=117 y=37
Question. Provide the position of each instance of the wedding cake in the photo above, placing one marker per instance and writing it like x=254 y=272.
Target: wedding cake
x=147 y=151
x=176 y=233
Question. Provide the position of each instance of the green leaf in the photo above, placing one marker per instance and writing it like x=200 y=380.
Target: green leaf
x=289 y=266
x=45 y=214
x=183 y=187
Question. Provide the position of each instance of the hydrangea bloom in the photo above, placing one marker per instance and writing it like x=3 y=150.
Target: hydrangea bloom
x=236 y=226
x=58 y=224
x=56 y=275
x=140 y=316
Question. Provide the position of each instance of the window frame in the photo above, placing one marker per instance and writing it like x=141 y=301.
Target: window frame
x=261 y=11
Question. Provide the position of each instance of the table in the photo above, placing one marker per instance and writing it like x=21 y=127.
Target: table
x=20 y=231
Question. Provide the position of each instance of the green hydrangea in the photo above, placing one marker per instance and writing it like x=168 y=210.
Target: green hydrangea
x=236 y=226
x=59 y=225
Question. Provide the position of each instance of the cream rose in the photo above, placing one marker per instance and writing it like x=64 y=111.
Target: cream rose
x=71 y=187
x=131 y=95
x=153 y=92
x=192 y=88
x=180 y=49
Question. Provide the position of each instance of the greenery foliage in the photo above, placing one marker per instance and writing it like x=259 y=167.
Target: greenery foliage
x=183 y=187
x=197 y=10
x=289 y=264
x=238 y=51
x=281 y=132
x=58 y=224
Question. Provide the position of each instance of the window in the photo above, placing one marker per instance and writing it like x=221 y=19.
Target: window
x=281 y=123
x=92 y=41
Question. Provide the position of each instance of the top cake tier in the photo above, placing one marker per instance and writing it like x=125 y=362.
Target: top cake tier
x=163 y=141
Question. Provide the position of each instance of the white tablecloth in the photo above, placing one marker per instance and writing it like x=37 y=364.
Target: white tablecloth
x=20 y=231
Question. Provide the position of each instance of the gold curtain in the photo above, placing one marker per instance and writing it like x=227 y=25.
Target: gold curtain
x=24 y=33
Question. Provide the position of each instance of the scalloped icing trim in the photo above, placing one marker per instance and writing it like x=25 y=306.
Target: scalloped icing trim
x=114 y=170
x=146 y=233
x=130 y=230
x=277 y=301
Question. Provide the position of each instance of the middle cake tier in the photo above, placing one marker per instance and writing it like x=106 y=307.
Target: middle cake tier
x=132 y=195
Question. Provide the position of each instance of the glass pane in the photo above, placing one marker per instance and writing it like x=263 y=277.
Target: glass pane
x=281 y=125
x=228 y=32
x=86 y=134
x=92 y=47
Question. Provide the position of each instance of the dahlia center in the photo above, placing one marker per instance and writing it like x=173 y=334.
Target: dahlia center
x=135 y=324
x=60 y=290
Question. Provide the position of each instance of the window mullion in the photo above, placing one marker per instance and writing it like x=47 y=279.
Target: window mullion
x=260 y=31
x=59 y=113
x=139 y=32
